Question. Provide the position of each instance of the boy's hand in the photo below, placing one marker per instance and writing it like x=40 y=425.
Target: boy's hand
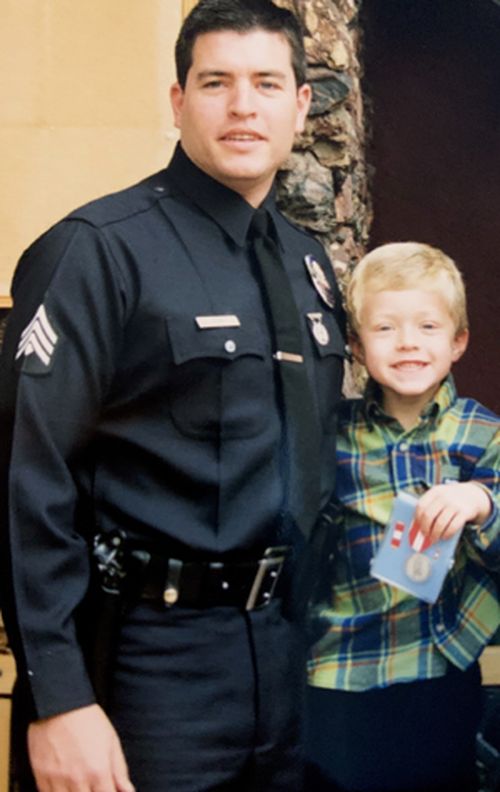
x=445 y=508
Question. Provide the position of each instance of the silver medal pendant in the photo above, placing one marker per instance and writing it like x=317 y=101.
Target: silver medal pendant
x=418 y=567
x=318 y=329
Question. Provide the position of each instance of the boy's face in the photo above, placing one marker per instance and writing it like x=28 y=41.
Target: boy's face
x=240 y=108
x=408 y=343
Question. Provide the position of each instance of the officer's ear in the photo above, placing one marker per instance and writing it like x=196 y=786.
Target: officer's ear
x=304 y=98
x=177 y=102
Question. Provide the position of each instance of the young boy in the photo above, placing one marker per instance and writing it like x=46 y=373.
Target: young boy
x=395 y=690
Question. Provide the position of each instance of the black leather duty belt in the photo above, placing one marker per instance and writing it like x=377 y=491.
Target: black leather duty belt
x=201 y=584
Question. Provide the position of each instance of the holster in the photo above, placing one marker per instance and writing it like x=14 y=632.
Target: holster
x=117 y=576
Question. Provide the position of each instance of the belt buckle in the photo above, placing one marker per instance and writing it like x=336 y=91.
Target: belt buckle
x=269 y=568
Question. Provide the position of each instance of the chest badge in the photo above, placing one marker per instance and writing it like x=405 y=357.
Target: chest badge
x=319 y=280
x=318 y=329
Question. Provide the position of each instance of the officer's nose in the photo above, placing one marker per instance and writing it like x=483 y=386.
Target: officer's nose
x=242 y=101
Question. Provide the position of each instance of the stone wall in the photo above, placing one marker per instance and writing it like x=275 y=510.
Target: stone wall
x=323 y=185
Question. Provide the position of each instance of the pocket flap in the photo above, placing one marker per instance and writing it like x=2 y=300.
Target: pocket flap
x=189 y=341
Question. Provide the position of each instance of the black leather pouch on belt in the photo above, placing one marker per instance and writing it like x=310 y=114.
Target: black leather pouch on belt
x=117 y=580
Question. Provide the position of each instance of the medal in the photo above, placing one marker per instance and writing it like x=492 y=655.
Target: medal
x=318 y=329
x=418 y=567
x=319 y=280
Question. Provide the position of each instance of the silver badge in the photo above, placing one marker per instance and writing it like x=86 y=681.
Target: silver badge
x=418 y=567
x=318 y=329
x=319 y=280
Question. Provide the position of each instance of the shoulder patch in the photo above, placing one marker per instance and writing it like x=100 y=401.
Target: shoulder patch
x=37 y=344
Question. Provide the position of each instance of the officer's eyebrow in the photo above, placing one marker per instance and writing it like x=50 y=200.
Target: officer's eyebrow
x=211 y=73
x=206 y=73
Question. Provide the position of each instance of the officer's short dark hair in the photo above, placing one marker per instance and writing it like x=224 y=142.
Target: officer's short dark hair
x=241 y=16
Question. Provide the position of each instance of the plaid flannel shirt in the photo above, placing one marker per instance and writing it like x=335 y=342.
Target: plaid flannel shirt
x=378 y=635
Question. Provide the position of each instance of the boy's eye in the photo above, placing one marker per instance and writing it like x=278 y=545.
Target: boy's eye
x=429 y=325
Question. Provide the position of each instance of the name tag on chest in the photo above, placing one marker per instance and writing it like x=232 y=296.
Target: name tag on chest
x=217 y=321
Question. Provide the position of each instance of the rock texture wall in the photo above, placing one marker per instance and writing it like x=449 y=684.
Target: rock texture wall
x=323 y=185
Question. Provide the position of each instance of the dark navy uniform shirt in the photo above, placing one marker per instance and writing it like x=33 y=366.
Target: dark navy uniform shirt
x=135 y=407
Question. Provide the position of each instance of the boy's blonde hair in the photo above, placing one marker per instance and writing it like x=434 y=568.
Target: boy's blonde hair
x=407 y=265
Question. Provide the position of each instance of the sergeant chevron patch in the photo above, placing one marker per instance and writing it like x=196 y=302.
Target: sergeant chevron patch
x=37 y=344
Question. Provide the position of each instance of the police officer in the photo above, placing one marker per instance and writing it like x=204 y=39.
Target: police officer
x=141 y=403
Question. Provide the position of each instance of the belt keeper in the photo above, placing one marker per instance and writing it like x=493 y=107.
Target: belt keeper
x=171 y=590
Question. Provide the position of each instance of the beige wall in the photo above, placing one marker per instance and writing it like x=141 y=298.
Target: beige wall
x=83 y=106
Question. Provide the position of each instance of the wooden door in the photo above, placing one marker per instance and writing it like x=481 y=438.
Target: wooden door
x=432 y=73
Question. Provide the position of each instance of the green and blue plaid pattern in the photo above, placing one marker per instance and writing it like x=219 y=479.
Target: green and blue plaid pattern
x=378 y=635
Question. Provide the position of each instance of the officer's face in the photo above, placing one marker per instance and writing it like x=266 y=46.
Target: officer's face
x=240 y=108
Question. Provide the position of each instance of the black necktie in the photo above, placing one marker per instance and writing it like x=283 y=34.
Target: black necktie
x=301 y=427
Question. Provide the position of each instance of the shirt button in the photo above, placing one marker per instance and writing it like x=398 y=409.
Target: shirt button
x=440 y=627
x=403 y=446
x=230 y=346
x=159 y=189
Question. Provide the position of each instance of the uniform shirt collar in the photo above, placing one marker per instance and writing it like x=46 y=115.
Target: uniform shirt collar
x=443 y=399
x=225 y=206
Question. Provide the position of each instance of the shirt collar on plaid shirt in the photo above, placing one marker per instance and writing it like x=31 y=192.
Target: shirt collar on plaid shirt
x=445 y=397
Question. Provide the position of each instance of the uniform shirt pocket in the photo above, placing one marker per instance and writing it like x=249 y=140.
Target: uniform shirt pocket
x=221 y=384
x=442 y=471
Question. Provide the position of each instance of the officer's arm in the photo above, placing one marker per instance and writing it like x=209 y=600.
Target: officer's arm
x=57 y=363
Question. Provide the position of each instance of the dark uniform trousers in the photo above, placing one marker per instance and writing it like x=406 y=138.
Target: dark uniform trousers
x=210 y=699
x=203 y=700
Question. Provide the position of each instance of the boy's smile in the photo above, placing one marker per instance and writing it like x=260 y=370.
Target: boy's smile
x=408 y=343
